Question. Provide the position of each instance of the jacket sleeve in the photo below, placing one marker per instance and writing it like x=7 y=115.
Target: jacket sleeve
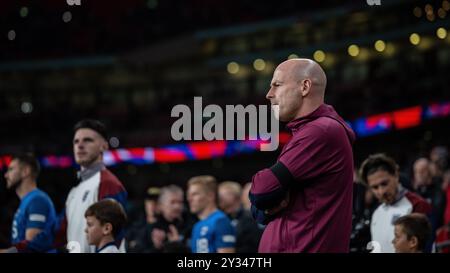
x=305 y=157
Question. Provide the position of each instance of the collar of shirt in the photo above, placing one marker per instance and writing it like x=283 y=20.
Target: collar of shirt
x=400 y=193
x=97 y=250
x=90 y=171
x=237 y=214
x=322 y=110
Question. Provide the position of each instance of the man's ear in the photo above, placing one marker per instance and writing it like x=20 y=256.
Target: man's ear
x=25 y=170
x=305 y=87
x=413 y=242
x=104 y=146
x=107 y=229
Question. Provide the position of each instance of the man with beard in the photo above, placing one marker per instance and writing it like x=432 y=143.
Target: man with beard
x=96 y=182
x=381 y=174
x=36 y=212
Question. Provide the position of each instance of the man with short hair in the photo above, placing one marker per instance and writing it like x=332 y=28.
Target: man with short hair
x=248 y=232
x=429 y=188
x=381 y=174
x=170 y=226
x=96 y=182
x=36 y=213
x=214 y=232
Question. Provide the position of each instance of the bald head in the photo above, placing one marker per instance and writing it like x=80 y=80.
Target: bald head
x=421 y=163
x=422 y=175
x=297 y=87
x=306 y=69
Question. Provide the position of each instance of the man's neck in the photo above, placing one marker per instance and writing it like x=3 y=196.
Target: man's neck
x=308 y=108
x=92 y=165
x=426 y=184
x=399 y=192
x=87 y=172
x=25 y=188
x=233 y=210
x=105 y=240
x=207 y=211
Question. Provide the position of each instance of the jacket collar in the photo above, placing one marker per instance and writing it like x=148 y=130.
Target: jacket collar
x=90 y=171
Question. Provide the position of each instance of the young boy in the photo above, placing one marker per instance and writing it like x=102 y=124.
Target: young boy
x=412 y=232
x=104 y=221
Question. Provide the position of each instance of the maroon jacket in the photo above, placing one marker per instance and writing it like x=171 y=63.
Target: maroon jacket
x=316 y=167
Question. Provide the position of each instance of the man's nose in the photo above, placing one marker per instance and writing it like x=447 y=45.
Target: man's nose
x=382 y=191
x=269 y=94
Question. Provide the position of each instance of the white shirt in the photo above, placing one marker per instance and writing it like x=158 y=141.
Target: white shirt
x=78 y=201
x=382 y=224
x=98 y=183
x=109 y=248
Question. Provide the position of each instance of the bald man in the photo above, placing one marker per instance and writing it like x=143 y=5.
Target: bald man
x=429 y=188
x=305 y=198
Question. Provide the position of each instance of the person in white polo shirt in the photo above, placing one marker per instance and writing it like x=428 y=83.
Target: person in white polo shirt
x=381 y=174
x=96 y=182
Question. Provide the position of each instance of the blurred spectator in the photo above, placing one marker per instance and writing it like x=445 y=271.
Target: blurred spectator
x=442 y=241
x=446 y=187
x=214 y=232
x=381 y=174
x=169 y=225
x=248 y=232
x=445 y=181
x=364 y=203
x=36 y=213
x=151 y=204
x=412 y=233
x=429 y=188
x=244 y=197
x=439 y=160
x=137 y=228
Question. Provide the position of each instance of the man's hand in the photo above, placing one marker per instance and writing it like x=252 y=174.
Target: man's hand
x=158 y=237
x=173 y=235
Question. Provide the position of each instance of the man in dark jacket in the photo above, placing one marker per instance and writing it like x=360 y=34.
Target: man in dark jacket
x=306 y=196
x=248 y=232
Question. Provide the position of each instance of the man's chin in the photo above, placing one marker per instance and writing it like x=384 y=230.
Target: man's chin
x=12 y=187
x=83 y=162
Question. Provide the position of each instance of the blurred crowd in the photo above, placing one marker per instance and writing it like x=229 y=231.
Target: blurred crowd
x=428 y=178
x=167 y=211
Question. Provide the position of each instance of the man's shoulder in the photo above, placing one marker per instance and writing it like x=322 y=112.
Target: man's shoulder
x=110 y=185
x=379 y=210
x=418 y=203
x=213 y=219
x=220 y=219
x=414 y=197
x=38 y=196
x=106 y=176
x=322 y=127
